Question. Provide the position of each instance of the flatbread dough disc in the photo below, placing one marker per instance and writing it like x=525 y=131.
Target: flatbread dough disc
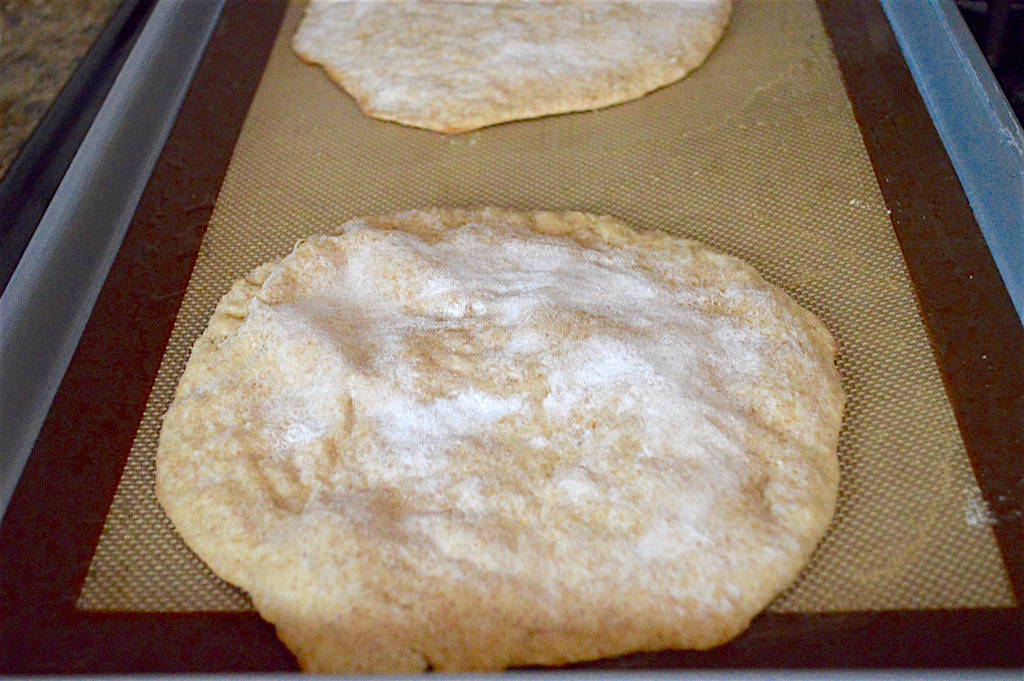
x=468 y=440
x=454 y=66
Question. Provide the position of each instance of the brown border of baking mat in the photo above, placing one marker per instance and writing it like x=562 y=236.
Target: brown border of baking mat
x=56 y=516
x=976 y=334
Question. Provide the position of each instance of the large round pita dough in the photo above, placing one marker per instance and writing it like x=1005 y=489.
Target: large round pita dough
x=476 y=439
x=453 y=66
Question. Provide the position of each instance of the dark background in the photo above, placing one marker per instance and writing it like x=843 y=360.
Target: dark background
x=998 y=26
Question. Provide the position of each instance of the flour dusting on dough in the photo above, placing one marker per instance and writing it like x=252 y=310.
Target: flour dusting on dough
x=478 y=439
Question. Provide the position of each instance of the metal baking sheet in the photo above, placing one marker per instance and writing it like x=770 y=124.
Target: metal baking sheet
x=763 y=152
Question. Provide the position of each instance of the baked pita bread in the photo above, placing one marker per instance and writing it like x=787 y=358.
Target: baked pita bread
x=453 y=66
x=469 y=440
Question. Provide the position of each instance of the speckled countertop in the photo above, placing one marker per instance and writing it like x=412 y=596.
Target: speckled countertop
x=41 y=42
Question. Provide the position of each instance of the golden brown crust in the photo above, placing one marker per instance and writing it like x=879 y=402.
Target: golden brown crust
x=457 y=66
x=473 y=439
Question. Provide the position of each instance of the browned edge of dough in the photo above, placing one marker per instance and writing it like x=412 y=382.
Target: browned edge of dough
x=974 y=329
x=51 y=528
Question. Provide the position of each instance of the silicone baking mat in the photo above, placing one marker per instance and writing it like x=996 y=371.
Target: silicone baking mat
x=757 y=154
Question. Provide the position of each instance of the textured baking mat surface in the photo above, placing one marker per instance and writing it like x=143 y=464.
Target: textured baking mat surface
x=756 y=154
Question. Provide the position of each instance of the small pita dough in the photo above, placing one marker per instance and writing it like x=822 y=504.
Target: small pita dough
x=468 y=440
x=453 y=66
